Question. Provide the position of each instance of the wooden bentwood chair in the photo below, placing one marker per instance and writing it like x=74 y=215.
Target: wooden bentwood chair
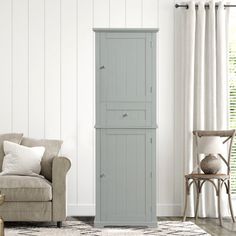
x=222 y=179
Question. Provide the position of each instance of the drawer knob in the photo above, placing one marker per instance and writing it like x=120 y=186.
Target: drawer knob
x=125 y=115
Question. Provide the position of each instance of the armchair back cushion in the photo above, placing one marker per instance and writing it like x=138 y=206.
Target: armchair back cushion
x=13 y=137
x=52 y=148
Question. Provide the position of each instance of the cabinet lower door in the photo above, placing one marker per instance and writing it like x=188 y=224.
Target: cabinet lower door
x=126 y=174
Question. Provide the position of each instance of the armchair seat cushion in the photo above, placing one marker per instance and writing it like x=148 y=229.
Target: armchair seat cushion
x=25 y=188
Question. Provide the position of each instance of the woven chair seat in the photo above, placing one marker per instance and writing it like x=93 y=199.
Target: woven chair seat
x=206 y=176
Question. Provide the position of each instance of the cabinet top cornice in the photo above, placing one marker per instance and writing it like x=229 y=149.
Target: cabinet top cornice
x=145 y=30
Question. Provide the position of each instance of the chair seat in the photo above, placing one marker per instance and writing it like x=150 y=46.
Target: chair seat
x=25 y=188
x=207 y=176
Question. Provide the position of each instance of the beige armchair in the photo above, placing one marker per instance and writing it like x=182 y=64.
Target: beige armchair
x=36 y=199
x=29 y=198
x=59 y=169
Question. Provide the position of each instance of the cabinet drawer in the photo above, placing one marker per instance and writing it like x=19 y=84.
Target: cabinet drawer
x=126 y=114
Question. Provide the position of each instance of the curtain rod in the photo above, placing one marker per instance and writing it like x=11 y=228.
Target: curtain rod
x=207 y=5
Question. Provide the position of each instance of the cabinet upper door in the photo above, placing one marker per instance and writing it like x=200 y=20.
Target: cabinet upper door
x=125 y=67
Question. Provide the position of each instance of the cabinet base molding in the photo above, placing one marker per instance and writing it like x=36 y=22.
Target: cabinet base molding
x=102 y=224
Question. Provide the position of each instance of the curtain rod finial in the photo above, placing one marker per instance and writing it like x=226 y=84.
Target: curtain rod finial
x=179 y=5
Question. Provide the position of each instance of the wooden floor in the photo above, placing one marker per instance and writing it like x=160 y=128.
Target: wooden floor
x=210 y=225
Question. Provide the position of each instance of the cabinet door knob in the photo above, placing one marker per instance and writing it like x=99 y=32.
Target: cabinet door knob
x=102 y=67
x=102 y=175
x=125 y=115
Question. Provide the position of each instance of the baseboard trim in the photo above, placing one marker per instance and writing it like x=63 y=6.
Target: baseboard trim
x=169 y=210
x=89 y=210
x=81 y=210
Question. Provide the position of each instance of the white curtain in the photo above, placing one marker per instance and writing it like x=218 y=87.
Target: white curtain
x=201 y=84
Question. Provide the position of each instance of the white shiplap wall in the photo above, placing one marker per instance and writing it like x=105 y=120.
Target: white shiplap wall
x=47 y=82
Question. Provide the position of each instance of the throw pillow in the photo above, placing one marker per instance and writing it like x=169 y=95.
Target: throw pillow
x=15 y=138
x=52 y=148
x=21 y=160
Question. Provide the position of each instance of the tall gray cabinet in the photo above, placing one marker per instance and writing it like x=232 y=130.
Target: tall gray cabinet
x=125 y=127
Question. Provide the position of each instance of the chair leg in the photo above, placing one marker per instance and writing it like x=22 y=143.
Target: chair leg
x=59 y=224
x=219 y=199
x=231 y=207
x=186 y=200
x=197 y=204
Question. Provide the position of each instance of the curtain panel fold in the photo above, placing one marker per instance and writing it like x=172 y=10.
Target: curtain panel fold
x=201 y=85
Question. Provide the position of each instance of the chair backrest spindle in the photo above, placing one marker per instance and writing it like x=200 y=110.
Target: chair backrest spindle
x=229 y=134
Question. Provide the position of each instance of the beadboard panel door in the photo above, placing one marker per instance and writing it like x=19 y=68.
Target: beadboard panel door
x=125 y=56
x=125 y=164
x=47 y=80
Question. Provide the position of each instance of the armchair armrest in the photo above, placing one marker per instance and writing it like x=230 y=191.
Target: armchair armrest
x=60 y=167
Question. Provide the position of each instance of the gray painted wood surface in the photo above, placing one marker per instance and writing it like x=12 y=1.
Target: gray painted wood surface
x=125 y=129
x=129 y=30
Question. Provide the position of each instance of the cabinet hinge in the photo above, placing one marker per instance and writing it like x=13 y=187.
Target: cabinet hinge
x=151 y=89
x=151 y=174
x=150 y=140
x=151 y=210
